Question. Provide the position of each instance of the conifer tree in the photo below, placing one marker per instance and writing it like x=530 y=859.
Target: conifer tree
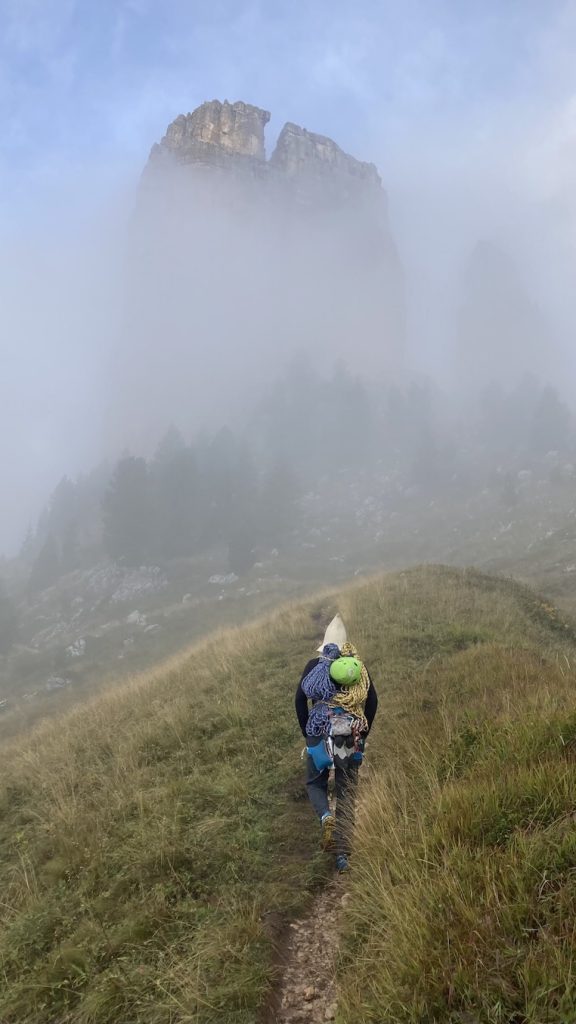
x=8 y=620
x=176 y=501
x=46 y=568
x=126 y=512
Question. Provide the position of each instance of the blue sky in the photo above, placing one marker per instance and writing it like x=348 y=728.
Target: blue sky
x=467 y=106
x=84 y=82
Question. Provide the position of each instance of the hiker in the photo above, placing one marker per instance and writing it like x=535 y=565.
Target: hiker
x=344 y=704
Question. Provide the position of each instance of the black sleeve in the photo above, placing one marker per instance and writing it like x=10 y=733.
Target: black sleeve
x=371 y=704
x=301 y=700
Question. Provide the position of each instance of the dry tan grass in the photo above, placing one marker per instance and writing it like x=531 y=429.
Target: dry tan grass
x=464 y=888
x=149 y=837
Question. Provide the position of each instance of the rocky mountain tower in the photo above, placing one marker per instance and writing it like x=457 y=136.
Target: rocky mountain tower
x=238 y=261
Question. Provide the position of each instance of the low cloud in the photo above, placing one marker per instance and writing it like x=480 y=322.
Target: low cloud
x=470 y=116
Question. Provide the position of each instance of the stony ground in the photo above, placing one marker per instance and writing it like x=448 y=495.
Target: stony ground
x=307 y=992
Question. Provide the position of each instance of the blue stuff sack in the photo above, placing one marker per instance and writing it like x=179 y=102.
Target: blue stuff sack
x=320 y=755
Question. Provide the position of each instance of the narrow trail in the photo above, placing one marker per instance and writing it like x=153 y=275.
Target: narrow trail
x=307 y=991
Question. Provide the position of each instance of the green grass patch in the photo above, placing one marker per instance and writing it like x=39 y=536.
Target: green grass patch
x=149 y=839
x=152 y=841
x=464 y=888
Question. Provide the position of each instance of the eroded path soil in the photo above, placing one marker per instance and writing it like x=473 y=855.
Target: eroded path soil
x=307 y=991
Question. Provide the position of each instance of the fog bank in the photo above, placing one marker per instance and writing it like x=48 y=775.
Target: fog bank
x=469 y=117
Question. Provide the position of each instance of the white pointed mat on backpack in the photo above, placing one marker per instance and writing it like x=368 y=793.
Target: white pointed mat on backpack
x=335 y=633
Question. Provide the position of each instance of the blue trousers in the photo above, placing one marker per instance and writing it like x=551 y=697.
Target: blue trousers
x=346 y=781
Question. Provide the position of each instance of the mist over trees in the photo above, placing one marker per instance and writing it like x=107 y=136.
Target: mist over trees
x=8 y=620
x=241 y=490
x=235 y=257
x=47 y=567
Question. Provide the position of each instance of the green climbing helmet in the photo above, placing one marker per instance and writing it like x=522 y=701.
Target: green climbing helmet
x=345 y=671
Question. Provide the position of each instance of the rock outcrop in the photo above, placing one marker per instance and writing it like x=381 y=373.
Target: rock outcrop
x=239 y=261
x=230 y=136
x=215 y=135
x=303 y=155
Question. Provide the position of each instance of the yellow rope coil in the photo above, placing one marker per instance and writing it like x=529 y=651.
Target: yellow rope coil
x=353 y=698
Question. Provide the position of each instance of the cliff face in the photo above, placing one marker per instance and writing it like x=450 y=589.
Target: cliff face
x=230 y=136
x=302 y=154
x=215 y=134
x=241 y=260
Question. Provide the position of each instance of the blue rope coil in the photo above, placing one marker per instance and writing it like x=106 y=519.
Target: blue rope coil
x=318 y=686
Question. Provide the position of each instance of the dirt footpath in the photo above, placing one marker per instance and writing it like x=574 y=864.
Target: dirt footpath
x=307 y=990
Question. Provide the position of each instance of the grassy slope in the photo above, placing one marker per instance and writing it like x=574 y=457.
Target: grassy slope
x=463 y=898
x=534 y=541
x=150 y=840
x=107 y=662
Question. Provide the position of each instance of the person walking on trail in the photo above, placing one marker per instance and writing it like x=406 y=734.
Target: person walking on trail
x=343 y=706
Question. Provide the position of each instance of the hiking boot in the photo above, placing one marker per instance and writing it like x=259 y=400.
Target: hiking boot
x=328 y=823
x=342 y=862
